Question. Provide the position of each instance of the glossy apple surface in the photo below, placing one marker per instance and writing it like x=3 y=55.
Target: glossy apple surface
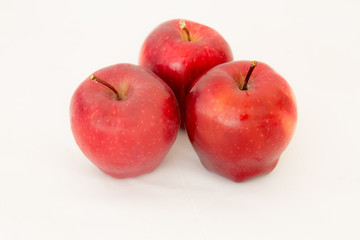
x=179 y=60
x=126 y=137
x=236 y=133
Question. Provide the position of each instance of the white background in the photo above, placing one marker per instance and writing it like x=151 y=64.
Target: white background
x=49 y=190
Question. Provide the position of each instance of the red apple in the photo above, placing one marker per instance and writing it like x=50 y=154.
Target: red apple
x=124 y=119
x=240 y=117
x=179 y=51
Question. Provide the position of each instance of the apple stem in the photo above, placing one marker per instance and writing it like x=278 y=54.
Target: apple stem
x=184 y=28
x=251 y=69
x=98 y=80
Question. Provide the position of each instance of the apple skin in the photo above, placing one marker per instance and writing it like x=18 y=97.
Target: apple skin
x=129 y=137
x=178 y=62
x=240 y=134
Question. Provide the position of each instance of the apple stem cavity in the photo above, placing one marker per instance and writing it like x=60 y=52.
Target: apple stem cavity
x=184 y=28
x=251 y=69
x=98 y=80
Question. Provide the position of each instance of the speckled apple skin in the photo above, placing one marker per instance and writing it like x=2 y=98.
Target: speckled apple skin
x=130 y=137
x=179 y=62
x=240 y=134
